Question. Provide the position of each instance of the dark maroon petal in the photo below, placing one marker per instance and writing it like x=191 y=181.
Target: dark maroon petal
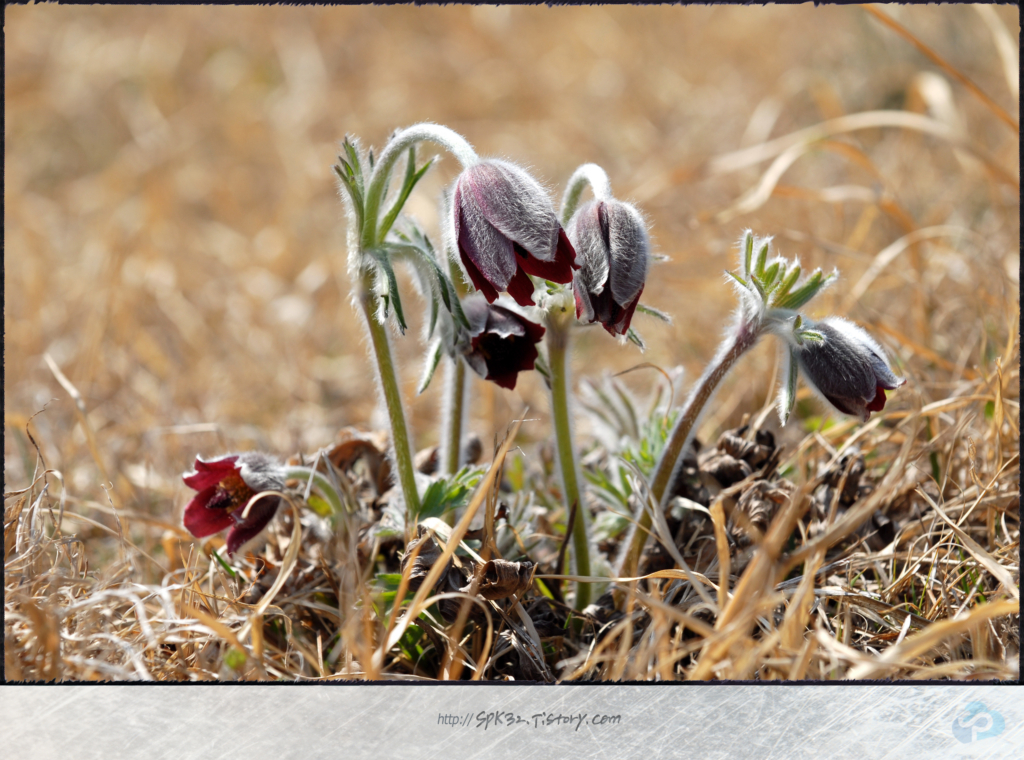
x=521 y=288
x=506 y=357
x=557 y=270
x=260 y=514
x=534 y=332
x=623 y=315
x=845 y=405
x=479 y=281
x=604 y=306
x=201 y=519
x=878 y=402
x=210 y=473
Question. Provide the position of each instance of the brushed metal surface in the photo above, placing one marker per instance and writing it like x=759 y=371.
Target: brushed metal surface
x=272 y=722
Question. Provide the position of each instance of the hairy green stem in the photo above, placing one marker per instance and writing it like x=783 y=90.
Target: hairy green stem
x=396 y=147
x=587 y=174
x=739 y=342
x=323 y=485
x=400 y=442
x=455 y=388
x=557 y=339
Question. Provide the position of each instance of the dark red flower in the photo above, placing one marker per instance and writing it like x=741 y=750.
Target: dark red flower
x=225 y=487
x=502 y=343
x=505 y=229
x=848 y=368
x=611 y=239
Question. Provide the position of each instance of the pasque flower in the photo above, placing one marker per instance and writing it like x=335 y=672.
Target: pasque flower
x=847 y=367
x=501 y=342
x=505 y=228
x=225 y=486
x=610 y=238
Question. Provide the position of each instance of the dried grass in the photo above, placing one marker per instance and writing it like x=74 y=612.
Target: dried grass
x=174 y=284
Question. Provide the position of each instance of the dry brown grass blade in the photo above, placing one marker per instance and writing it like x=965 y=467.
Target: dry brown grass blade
x=83 y=417
x=287 y=563
x=676 y=575
x=999 y=572
x=888 y=254
x=722 y=545
x=861 y=510
x=798 y=613
x=935 y=58
x=482 y=492
x=740 y=159
x=929 y=638
x=1006 y=47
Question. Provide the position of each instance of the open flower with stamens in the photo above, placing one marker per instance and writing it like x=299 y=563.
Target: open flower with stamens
x=611 y=240
x=505 y=228
x=502 y=343
x=846 y=367
x=225 y=487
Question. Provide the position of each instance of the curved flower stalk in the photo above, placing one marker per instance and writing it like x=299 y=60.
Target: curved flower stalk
x=504 y=228
x=611 y=243
x=839 y=359
x=364 y=183
x=239 y=493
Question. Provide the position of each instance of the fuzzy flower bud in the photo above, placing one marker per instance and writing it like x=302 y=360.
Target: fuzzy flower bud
x=225 y=486
x=502 y=343
x=611 y=239
x=505 y=229
x=847 y=368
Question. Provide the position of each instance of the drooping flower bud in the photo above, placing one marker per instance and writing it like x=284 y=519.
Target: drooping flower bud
x=225 y=486
x=505 y=228
x=847 y=367
x=502 y=343
x=610 y=238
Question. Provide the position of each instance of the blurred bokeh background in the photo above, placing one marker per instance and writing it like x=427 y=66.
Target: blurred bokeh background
x=175 y=242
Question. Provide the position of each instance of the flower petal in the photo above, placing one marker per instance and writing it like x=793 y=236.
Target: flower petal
x=210 y=473
x=201 y=520
x=260 y=515
x=878 y=403
x=515 y=204
x=521 y=288
x=623 y=315
x=629 y=252
x=557 y=270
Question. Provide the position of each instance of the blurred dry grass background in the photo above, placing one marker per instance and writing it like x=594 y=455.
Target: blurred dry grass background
x=174 y=239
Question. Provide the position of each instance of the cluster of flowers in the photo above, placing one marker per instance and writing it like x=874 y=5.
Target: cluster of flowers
x=503 y=230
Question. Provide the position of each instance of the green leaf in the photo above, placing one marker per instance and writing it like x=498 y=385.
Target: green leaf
x=412 y=176
x=430 y=366
x=762 y=257
x=319 y=505
x=748 y=252
x=635 y=339
x=788 y=282
x=789 y=388
x=542 y=368
x=226 y=567
x=235 y=658
x=652 y=312
x=738 y=279
x=384 y=262
x=759 y=288
x=769 y=276
x=356 y=166
x=811 y=335
x=353 y=191
x=803 y=294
